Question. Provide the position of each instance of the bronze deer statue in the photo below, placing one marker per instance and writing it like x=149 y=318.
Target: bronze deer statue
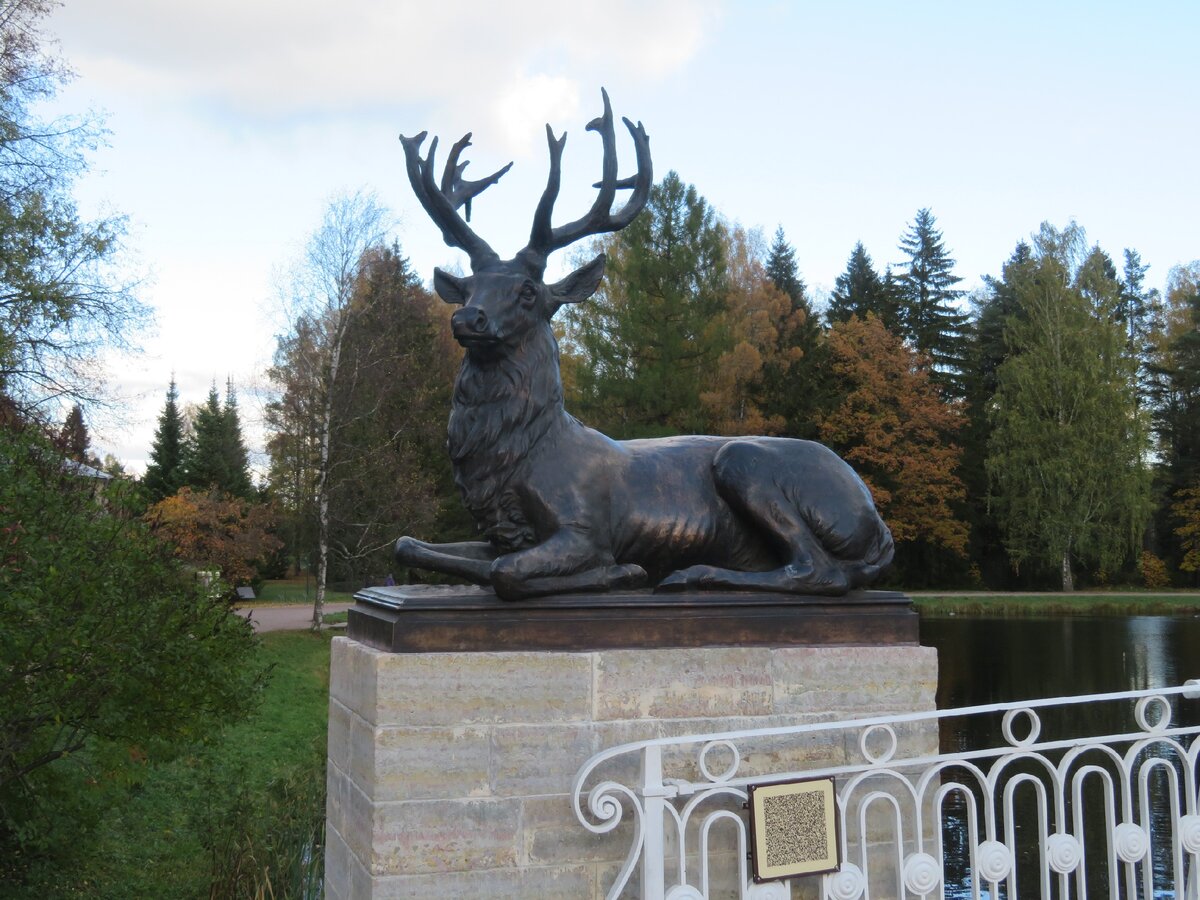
x=565 y=508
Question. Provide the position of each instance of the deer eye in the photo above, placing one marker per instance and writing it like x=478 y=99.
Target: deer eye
x=528 y=295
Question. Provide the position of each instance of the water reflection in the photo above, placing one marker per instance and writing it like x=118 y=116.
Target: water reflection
x=1009 y=659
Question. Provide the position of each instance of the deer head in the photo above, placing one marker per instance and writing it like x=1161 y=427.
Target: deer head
x=502 y=299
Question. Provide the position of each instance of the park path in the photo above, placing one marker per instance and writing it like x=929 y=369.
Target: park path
x=292 y=617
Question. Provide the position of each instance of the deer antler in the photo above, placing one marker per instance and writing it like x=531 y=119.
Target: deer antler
x=442 y=203
x=545 y=239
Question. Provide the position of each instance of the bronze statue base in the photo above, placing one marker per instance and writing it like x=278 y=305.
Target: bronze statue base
x=432 y=619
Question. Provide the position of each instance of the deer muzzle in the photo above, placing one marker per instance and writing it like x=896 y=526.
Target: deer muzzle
x=472 y=329
x=469 y=323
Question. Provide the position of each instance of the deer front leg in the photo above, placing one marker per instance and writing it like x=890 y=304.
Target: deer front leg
x=471 y=560
x=567 y=562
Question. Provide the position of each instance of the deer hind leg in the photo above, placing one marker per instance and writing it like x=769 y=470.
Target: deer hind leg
x=750 y=478
x=801 y=576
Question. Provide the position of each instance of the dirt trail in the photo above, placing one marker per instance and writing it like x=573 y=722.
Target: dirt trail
x=293 y=617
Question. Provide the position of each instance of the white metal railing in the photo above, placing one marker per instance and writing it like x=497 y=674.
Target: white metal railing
x=1038 y=810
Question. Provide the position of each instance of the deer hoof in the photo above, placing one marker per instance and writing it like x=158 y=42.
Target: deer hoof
x=626 y=577
x=672 y=584
x=683 y=579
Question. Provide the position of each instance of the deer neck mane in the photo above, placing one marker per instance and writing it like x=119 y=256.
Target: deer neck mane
x=501 y=410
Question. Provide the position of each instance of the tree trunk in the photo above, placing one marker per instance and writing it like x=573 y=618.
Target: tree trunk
x=322 y=525
x=323 y=485
x=1068 y=583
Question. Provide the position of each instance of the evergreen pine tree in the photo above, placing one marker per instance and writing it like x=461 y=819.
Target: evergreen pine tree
x=204 y=464
x=782 y=270
x=645 y=340
x=791 y=392
x=1133 y=298
x=1000 y=303
x=891 y=303
x=859 y=290
x=233 y=448
x=1141 y=313
x=929 y=316
x=1175 y=404
x=996 y=305
x=73 y=438
x=164 y=473
x=216 y=457
x=1182 y=425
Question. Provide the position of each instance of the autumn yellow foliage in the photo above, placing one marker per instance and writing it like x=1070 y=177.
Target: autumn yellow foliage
x=893 y=426
x=1187 y=513
x=216 y=531
x=757 y=316
x=1153 y=571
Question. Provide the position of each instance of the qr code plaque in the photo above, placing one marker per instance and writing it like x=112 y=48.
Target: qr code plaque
x=793 y=827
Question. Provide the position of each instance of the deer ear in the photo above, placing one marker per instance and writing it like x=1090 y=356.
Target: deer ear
x=449 y=287
x=579 y=285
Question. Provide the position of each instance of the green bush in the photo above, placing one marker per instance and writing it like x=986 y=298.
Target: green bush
x=110 y=656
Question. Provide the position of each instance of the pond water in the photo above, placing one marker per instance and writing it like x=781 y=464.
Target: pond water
x=994 y=660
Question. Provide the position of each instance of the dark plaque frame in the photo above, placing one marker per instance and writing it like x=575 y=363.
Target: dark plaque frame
x=755 y=826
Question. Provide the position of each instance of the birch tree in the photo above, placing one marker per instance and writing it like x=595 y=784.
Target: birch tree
x=319 y=294
x=1066 y=459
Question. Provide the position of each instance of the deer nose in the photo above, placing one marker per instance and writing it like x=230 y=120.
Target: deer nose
x=469 y=320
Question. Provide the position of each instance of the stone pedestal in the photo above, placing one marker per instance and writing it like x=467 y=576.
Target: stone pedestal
x=450 y=770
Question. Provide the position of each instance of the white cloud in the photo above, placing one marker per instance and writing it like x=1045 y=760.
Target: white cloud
x=281 y=57
x=527 y=103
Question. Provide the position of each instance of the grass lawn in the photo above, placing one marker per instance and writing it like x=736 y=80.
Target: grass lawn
x=217 y=816
x=295 y=590
x=1054 y=604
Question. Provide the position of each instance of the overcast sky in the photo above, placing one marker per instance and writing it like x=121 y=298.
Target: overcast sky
x=232 y=122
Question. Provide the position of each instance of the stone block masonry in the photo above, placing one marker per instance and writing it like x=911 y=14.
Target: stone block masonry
x=450 y=773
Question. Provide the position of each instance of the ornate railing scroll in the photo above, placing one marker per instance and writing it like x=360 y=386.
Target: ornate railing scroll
x=1088 y=797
